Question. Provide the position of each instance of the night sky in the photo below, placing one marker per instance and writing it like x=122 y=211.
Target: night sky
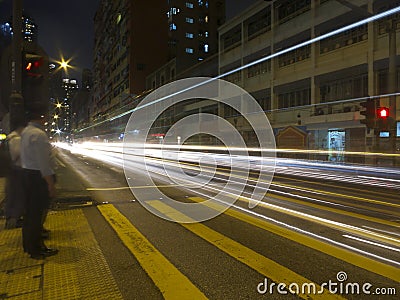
x=66 y=27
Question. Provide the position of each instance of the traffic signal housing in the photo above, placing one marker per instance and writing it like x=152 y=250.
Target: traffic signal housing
x=384 y=121
x=33 y=66
x=35 y=73
x=369 y=111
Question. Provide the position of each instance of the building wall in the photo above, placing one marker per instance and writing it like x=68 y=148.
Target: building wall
x=294 y=87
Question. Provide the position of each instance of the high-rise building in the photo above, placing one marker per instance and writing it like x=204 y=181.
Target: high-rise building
x=193 y=30
x=131 y=41
x=193 y=37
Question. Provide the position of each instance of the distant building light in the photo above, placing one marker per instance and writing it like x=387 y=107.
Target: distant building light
x=189 y=20
x=189 y=35
x=189 y=5
x=172 y=26
x=189 y=50
x=206 y=48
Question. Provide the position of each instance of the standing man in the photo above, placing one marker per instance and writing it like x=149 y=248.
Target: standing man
x=38 y=180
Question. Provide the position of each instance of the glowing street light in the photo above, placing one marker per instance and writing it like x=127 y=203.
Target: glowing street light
x=64 y=64
x=55 y=117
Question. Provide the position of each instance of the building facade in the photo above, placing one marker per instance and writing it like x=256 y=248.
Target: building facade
x=316 y=89
x=131 y=41
x=193 y=30
x=193 y=38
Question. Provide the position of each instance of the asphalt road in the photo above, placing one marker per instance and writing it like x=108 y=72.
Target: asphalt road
x=305 y=230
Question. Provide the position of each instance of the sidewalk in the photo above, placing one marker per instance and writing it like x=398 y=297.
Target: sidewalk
x=78 y=271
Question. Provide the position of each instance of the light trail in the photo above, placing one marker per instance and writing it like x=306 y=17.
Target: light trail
x=371 y=243
x=304 y=168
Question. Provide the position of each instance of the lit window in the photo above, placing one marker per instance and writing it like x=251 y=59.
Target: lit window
x=206 y=48
x=206 y=19
x=172 y=26
x=174 y=10
x=200 y=2
x=189 y=50
x=189 y=35
x=206 y=34
x=190 y=20
x=189 y=5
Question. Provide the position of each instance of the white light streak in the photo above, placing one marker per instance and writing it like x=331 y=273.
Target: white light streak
x=371 y=243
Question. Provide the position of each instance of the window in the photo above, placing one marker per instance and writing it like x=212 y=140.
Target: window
x=258 y=23
x=200 y=2
x=189 y=20
x=232 y=37
x=189 y=50
x=189 y=5
x=206 y=34
x=206 y=48
x=189 y=35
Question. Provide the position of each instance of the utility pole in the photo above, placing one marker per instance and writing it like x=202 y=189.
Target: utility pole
x=16 y=103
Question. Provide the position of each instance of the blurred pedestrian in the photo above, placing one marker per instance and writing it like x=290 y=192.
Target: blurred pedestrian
x=38 y=180
x=15 y=197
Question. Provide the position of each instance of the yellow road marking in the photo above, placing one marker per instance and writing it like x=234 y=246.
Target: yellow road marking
x=340 y=253
x=171 y=282
x=254 y=260
x=137 y=187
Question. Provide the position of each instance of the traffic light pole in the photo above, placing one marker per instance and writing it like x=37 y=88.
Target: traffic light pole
x=392 y=84
x=16 y=103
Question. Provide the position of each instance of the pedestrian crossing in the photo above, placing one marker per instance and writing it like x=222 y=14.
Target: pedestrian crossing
x=173 y=284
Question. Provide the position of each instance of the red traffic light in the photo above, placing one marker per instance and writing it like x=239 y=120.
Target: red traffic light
x=383 y=112
x=33 y=65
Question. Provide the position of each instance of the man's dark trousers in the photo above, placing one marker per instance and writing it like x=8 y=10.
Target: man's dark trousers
x=37 y=201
